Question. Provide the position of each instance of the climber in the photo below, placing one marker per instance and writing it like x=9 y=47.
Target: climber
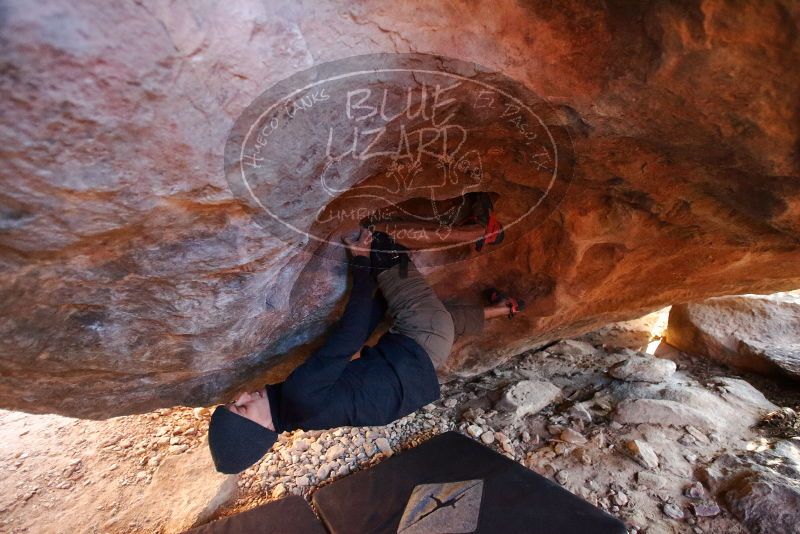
x=389 y=380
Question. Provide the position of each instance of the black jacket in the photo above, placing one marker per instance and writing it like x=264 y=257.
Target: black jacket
x=388 y=381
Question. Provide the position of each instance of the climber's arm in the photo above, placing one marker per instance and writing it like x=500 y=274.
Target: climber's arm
x=311 y=380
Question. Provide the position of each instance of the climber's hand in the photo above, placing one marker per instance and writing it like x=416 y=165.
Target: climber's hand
x=359 y=246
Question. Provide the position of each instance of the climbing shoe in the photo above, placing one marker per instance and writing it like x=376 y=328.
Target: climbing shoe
x=483 y=214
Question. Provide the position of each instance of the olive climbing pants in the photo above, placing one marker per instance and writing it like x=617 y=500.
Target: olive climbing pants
x=418 y=313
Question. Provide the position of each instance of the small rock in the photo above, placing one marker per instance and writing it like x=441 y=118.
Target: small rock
x=450 y=403
x=526 y=436
x=571 y=436
x=474 y=430
x=487 y=437
x=300 y=445
x=302 y=481
x=579 y=412
x=697 y=434
x=562 y=477
x=528 y=397
x=562 y=448
x=644 y=453
x=278 y=491
x=334 y=452
x=706 y=509
x=673 y=511
x=571 y=347
x=323 y=472
x=178 y=449
x=695 y=491
x=652 y=481
x=643 y=369
x=383 y=446
x=620 y=499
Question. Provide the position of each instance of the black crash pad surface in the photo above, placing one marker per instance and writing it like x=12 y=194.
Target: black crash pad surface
x=291 y=515
x=512 y=499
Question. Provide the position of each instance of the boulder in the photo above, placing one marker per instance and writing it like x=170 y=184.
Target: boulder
x=762 y=489
x=643 y=369
x=731 y=405
x=134 y=276
x=189 y=492
x=758 y=333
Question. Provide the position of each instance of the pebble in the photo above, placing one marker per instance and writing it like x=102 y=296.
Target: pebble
x=383 y=446
x=644 y=453
x=323 y=471
x=474 y=430
x=620 y=499
x=487 y=437
x=178 y=449
x=450 y=403
x=571 y=436
x=300 y=445
x=555 y=430
x=579 y=412
x=278 y=491
x=705 y=509
x=695 y=491
x=302 y=481
x=334 y=452
x=562 y=448
x=673 y=511
x=562 y=477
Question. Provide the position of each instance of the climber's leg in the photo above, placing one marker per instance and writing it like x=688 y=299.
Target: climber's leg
x=417 y=312
x=468 y=319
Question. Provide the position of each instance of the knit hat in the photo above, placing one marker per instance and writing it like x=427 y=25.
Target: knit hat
x=236 y=442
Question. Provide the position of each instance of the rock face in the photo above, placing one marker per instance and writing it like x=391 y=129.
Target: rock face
x=131 y=277
x=757 y=333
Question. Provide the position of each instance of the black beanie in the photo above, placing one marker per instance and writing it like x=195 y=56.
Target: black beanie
x=236 y=442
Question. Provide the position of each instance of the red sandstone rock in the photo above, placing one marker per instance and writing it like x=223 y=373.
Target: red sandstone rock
x=131 y=277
